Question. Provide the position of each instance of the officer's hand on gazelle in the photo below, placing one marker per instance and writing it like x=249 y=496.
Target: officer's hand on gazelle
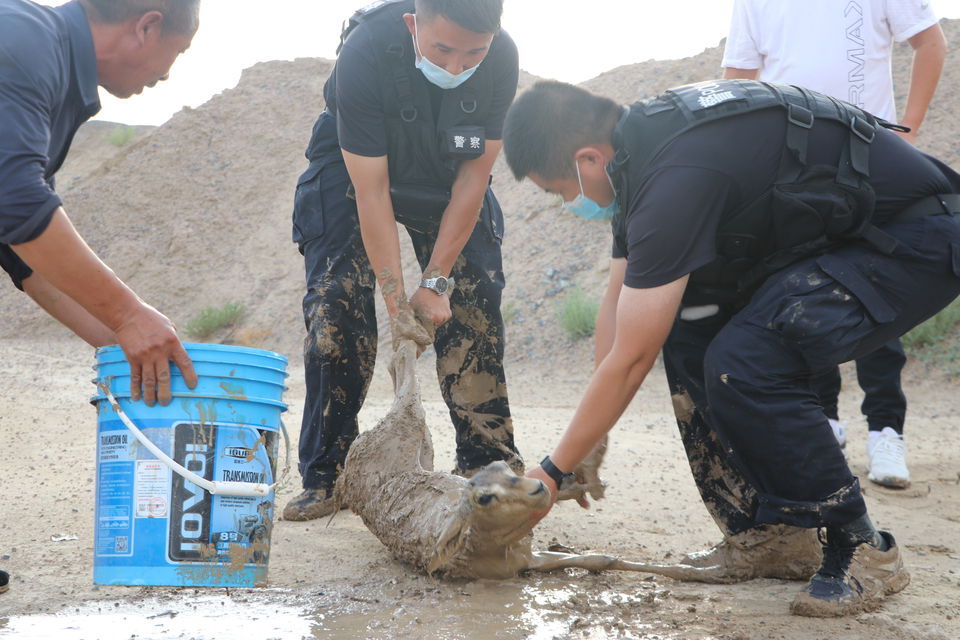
x=408 y=325
x=428 y=305
x=580 y=495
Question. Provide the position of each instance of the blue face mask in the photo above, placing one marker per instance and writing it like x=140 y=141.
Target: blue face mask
x=587 y=208
x=437 y=74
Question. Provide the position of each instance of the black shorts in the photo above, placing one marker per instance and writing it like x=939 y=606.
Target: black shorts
x=16 y=268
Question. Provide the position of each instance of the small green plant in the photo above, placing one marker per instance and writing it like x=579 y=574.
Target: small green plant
x=578 y=315
x=212 y=319
x=935 y=330
x=945 y=355
x=509 y=311
x=121 y=135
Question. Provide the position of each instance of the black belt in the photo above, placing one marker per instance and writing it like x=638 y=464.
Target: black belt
x=940 y=204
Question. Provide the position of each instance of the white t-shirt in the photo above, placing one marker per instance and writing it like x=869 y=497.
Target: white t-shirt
x=838 y=47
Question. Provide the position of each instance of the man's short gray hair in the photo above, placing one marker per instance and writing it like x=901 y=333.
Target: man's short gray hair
x=179 y=16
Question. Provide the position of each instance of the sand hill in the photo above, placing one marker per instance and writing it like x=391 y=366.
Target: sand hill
x=196 y=213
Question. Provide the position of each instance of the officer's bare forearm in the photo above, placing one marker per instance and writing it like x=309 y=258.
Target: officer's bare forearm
x=461 y=215
x=67 y=264
x=378 y=229
x=644 y=319
x=457 y=225
x=147 y=337
x=66 y=310
x=610 y=391
x=607 y=314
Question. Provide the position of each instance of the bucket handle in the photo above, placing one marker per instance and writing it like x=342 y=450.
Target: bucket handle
x=245 y=489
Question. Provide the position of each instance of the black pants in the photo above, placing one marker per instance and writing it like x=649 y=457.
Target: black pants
x=755 y=432
x=878 y=373
x=341 y=344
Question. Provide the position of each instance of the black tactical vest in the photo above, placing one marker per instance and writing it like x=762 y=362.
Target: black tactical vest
x=424 y=149
x=807 y=210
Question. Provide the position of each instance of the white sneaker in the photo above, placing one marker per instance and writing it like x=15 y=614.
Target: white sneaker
x=887 y=455
x=839 y=432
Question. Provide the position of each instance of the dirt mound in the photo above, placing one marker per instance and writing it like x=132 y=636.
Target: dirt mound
x=196 y=213
x=97 y=142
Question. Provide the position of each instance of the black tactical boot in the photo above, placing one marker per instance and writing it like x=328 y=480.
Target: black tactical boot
x=852 y=579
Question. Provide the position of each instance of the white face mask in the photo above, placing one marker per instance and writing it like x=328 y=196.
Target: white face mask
x=435 y=73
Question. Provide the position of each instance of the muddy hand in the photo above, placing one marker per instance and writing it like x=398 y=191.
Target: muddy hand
x=574 y=488
x=429 y=306
x=149 y=341
x=588 y=471
x=406 y=325
x=586 y=478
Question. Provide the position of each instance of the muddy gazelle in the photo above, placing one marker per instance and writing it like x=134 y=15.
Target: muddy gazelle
x=450 y=526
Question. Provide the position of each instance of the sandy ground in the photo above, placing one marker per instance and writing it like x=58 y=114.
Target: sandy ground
x=333 y=579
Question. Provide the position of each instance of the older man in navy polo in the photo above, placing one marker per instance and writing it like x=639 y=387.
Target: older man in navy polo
x=51 y=63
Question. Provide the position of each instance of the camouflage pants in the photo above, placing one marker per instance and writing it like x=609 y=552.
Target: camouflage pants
x=341 y=344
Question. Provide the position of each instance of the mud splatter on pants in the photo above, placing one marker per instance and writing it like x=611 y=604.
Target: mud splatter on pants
x=341 y=344
x=755 y=433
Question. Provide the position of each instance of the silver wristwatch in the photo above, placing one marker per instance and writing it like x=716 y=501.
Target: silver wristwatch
x=439 y=285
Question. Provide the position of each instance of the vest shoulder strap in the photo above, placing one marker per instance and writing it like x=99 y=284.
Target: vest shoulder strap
x=363 y=14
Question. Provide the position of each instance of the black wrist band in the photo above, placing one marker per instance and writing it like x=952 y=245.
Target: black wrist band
x=551 y=470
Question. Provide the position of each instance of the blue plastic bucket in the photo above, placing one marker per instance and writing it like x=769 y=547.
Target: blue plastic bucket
x=153 y=525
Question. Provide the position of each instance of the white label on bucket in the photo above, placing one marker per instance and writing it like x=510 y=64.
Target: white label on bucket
x=151 y=488
x=115 y=446
x=115 y=480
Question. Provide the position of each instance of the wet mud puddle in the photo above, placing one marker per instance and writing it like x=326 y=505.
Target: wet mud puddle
x=197 y=617
x=471 y=611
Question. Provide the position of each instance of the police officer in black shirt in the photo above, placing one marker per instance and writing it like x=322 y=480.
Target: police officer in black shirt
x=411 y=129
x=762 y=234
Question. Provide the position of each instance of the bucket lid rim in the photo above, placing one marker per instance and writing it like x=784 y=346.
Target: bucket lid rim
x=204 y=346
x=253 y=400
x=175 y=370
x=281 y=383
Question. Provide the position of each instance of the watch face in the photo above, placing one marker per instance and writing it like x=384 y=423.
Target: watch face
x=440 y=285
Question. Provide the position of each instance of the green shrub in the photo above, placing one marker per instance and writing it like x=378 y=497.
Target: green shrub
x=509 y=311
x=121 y=135
x=578 y=315
x=945 y=355
x=212 y=319
x=935 y=330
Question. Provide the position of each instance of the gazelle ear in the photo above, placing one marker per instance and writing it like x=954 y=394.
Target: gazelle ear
x=451 y=541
